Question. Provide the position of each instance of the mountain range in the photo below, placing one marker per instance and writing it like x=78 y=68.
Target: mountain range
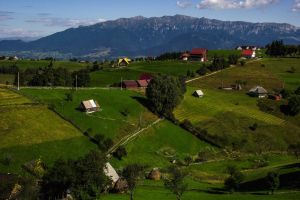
x=140 y=36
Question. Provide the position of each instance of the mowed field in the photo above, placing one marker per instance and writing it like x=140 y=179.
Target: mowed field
x=230 y=114
x=30 y=131
x=110 y=121
x=24 y=64
x=109 y=76
x=160 y=145
x=281 y=68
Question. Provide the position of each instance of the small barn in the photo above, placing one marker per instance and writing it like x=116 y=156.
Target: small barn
x=90 y=106
x=198 y=54
x=123 y=62
x=248 y=53
x=184 y=56
x=142 y=83
x=198 y=93
x=111 y=173
x=130 y=84
x=259 y=92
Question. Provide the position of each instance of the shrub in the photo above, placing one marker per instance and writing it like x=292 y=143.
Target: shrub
x=253 y=127
x=120 y=153
x=294 y=105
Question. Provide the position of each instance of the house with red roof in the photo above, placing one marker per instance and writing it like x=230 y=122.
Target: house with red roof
x=142 y=83
x=198 y=54
x=248 y=53
x=130 y=84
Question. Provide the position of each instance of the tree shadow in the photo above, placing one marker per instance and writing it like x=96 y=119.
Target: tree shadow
x=143 y=101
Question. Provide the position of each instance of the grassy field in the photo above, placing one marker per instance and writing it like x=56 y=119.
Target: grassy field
x=109 y=76
x=24 y=64
x=26 y=134
x=230 y=114
x=7 y=78
x=158 y=146
x=281 y=67
x=109 y=121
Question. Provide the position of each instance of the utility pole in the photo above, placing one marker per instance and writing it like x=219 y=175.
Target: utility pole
x=18 y=80
x=121 y=83
x=76 y=82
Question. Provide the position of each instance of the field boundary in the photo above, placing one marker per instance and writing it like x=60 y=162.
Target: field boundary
x=125 y=140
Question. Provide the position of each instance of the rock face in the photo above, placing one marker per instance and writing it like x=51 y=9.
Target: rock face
x=140 y=36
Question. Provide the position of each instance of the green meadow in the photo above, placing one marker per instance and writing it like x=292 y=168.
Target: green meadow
x=110 y=121
x=29 y=131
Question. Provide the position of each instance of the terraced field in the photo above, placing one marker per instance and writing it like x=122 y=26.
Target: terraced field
x=218 y=101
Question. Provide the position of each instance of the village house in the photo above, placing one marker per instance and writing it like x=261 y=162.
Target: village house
x=142 y=83
x=248 y=53
x=198 y=93
x=123 y=62
x=185 y=56
x=111 y=173
x=129 y=84
x=90 y=106
x=254 y=48
x=198 y=54
x=258 y=91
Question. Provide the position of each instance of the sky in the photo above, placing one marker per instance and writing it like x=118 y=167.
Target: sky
x=37 y=18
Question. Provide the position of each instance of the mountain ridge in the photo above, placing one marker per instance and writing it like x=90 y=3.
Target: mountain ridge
x=141 y=36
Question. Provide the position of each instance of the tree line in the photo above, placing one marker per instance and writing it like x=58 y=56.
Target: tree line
x=51 y=77
x=278 y=48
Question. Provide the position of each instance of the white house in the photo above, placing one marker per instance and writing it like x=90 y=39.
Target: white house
x=111 y=173
x=198 y=93
x=259 y=92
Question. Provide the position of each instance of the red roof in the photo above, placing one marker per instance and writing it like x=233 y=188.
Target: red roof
x=130 y=84
x=145 y=76
x=142 y=83
x=247 y=52
x=198 y=51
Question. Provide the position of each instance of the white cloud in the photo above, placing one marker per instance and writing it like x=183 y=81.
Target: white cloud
x=183 y=3
x=19 y=32
x=296 y=6
x=64 y=22
x=234 y=4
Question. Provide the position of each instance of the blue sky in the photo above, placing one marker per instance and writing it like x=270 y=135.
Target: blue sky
x=19 y=18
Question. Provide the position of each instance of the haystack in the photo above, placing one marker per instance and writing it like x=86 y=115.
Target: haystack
x=155 y=174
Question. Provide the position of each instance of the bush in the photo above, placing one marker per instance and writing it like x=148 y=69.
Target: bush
x=253 y=127
x=242 y=62
x=120 y=153
x=202 y=71
x=294 y=105
x=234 y=180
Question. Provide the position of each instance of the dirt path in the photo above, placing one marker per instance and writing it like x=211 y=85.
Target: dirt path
x=125 y=140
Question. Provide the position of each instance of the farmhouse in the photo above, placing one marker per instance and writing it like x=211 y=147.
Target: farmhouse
x=198 y=93
x=111 y=173
x=123 y=62
x=198 y=54
x=90 y=106
x=185 y=56
x=248 y=53
x=247 y=48
x=142 y=83
x=259 y=92
x=129 y=84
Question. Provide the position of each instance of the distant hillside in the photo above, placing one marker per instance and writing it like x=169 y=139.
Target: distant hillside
x=139 y=36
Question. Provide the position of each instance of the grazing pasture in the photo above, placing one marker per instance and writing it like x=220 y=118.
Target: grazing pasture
x=29 y=131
